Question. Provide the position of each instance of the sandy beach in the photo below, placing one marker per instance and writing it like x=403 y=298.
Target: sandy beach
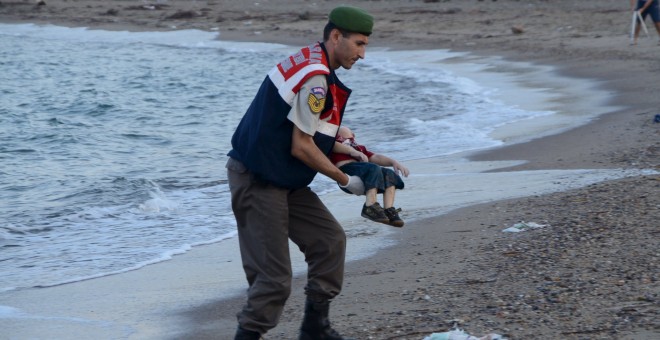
x=592 y=273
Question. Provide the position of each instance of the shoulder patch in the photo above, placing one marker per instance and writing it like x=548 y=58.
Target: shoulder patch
x=316 y=99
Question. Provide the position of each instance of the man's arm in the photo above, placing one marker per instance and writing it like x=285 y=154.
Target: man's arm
x=304 y=115
x=304 y=148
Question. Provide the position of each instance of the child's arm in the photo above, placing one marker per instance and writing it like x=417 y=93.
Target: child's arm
x=383 y=160
x=347 y=150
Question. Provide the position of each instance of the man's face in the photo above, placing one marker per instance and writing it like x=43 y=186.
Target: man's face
x=348 y=50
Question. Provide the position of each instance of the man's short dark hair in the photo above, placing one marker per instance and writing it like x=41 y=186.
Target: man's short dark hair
x=344 y=33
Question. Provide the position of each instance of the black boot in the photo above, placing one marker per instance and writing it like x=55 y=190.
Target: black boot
x=316 y=325
x=244 y=334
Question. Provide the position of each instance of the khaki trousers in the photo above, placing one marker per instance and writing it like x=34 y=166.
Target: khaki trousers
x=267 y=217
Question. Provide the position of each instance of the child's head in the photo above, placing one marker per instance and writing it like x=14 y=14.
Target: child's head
x=345 y=132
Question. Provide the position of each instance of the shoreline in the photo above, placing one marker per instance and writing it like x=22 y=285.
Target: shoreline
x=505 y=77
x=417 y=267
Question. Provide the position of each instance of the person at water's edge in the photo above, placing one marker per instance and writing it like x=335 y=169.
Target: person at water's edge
x=281 y=143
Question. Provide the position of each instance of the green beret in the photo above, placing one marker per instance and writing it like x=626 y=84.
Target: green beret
x=352 y=19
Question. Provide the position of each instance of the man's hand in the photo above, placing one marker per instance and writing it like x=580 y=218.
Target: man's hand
x=304 y=148
x=354 y=185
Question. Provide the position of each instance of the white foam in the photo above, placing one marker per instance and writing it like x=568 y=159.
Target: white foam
x=517 y=101
x=9 y=312
x=158 y=203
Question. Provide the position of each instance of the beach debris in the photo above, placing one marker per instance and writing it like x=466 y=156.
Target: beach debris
x=184 y=15
x=431 y=11
x=656 y=119
x=111 y=11
x=523 y=226
x=517 y=29
x=150 y=7
x=459 y=334
x=304 y=15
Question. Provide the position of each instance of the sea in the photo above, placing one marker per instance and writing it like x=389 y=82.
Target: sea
x=113 y=143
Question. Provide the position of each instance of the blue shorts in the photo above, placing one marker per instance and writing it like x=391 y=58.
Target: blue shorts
x=653 y=10
x=373 y=176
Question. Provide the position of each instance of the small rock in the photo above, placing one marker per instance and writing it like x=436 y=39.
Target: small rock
x=517 y=29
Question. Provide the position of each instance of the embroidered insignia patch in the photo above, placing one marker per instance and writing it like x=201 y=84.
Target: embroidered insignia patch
x=318 y=91
x=316 y=99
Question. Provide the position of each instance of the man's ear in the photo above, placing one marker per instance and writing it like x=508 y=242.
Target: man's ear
x=335 y=34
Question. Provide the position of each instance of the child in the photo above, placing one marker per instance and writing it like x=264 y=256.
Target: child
x=356 y=160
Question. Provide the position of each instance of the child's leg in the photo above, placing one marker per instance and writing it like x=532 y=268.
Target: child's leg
x=388 y=197
x=390 y=211
x=371 y=197
x=392 y=181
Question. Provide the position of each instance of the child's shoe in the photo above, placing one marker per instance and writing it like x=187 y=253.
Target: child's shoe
x=375 y=213
x=392 y=214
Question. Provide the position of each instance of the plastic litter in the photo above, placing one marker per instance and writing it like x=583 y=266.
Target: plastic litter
x=523 y=226
x=656 y=119
x=459 y=334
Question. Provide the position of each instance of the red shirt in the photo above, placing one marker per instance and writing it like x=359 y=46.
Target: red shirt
x=338 y=157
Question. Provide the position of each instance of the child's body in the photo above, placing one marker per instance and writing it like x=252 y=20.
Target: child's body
x=373 y=169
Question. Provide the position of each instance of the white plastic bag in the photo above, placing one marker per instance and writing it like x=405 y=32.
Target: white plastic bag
x=523 y=226
x=459 y=334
